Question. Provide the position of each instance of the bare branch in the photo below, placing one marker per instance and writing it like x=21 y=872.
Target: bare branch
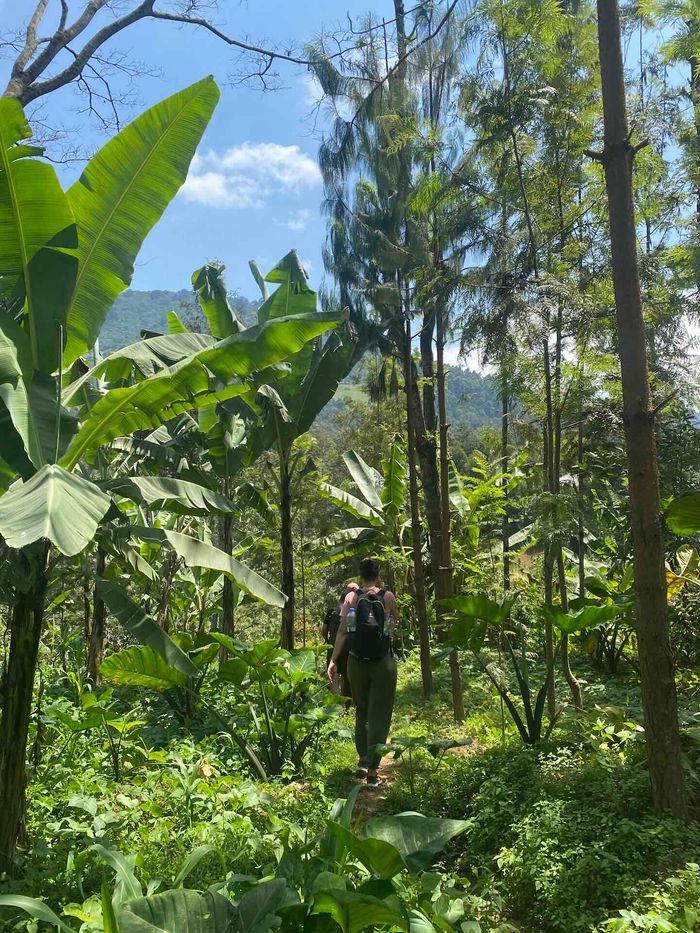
x=30 y=45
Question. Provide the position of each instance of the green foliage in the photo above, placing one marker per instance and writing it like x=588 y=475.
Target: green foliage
x=472 y=615
x=312 y=879
x=565 y=837
x=672 y=907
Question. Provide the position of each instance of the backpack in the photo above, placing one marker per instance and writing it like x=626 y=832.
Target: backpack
x=332 y=620
x=368 y=642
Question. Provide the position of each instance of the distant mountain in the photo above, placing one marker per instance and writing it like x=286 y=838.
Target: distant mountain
x=472 y=399
x=135 y=311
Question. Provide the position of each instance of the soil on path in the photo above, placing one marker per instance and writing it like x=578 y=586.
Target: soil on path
x=370 y=800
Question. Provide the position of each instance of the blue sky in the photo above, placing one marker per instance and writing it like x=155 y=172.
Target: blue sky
x=254 y=191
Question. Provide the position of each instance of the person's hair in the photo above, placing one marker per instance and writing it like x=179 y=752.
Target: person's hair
x=369 y=569
x=350 y=588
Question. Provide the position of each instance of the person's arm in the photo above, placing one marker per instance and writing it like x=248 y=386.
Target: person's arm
x=391 y=606
x=340 y=638
x=324 y=631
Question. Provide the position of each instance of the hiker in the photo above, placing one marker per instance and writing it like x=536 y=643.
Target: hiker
x=367 y=622
x=329 y=632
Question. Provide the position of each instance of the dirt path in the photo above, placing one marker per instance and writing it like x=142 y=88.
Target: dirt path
x=370 y=800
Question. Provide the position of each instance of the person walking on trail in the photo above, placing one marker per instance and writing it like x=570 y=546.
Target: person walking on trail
x=367 y=622
x=329 y=633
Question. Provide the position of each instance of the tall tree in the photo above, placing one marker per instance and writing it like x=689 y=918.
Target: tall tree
x=655 y=655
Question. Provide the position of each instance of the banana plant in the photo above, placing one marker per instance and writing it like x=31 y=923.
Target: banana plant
x=63 y=259
x=285 y=407
x=377 y=504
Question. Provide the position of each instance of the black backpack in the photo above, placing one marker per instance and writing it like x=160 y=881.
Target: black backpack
x=332 y=620
x=368 y=641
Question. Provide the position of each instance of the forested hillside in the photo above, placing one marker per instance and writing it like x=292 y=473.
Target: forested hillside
x=472 y=399
x=136 y=311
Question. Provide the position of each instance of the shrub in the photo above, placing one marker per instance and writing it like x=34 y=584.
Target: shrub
x=565 y=837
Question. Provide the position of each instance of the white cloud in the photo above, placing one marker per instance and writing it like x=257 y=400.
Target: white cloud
x=249 y=175
x=297 y=221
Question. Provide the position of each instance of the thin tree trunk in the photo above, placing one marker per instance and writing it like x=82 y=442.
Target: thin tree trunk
x=416 y=532
x=569 y=676
x=18 y=683
x=655 y=656
x=227 y=620
x=574 y=685
x=164 y=602
x=549 y=548
x=548 y=576
x=446 y=581
x=96 y=637
x=288 y=611
x=505 y=522
x=303 y=585
x=426 y=449
x=581 y=503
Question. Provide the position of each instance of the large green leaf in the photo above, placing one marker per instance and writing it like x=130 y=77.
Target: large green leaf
x=329 y=364
x=36 y=909
x=480 y=606
x=585 y=618
x=140 y=360
x=36 y=231
x=257 y=911
x=142 y=667
x=128 y=887
x=346 y=543
x=54 y=504
x=196 y=553
x=418 y=838
x=189 y=384
x=15 y=372
x=121 y=194
x=142 y=627
x=293 y=296
x=178 y=495
x=368 y=481
x=354 y=911
x=395 y=470
x=351 y=504
x=210 y=287
x=179 y=911
x=377 y=855
x=683 y=515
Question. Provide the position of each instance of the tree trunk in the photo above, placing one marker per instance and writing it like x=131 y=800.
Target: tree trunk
x=547 y=450
x=426 y=449
x=581 y=503
x=574 y=685
x=416 y=533
x=655 y=656
x=164 y=602
x=505 y=522
x=446 y=583
x=96 y=637
x=227 y=626
x=287 y=630
x=549 y=631
x=18 y=683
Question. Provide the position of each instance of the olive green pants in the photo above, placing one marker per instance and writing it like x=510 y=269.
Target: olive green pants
x=373 y=685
